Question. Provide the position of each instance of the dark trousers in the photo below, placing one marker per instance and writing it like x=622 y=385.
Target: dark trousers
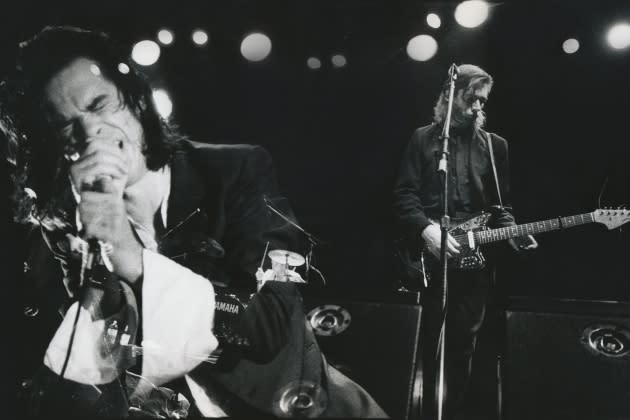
x=467 y=300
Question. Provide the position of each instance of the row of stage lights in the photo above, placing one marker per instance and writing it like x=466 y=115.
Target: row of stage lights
x=468 y=14
x=256 y=46
x=473 y=13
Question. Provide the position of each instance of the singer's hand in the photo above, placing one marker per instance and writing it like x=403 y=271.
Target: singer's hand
x=432 y=236
x=100 y=176
x=101 y=159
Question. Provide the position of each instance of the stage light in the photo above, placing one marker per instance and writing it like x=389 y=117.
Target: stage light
x=619 y=36
x=338 y=60
x=163 y=103
x=95 y=70
x=570 y=46
x=165 y=37
x=471 y=13
x=422 y=47
x=434 y=20
x=199 y=37
x=145 y=52
x=123 y=68
x=256 y=46
x=313 y=63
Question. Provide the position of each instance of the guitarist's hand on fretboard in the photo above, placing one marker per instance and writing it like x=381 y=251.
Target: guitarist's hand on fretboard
x=432 y=236
x=523 y=243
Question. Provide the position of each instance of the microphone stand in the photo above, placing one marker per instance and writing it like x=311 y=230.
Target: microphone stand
x=444 y=226
x=311 y=239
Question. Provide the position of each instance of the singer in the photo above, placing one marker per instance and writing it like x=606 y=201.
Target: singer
x=417 y=205
x=175 y=220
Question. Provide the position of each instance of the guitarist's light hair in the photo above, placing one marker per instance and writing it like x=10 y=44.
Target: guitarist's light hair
x=469 y=78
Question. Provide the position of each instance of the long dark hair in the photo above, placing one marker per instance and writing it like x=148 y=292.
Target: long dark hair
x=41 y=161
x=470 y=78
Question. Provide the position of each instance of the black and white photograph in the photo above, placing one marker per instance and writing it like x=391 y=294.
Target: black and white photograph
x=398 y=209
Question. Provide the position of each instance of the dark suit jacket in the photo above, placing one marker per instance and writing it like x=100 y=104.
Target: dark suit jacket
x=228 y=184
x=417 y=193
x=217 y=225
x=284 y=359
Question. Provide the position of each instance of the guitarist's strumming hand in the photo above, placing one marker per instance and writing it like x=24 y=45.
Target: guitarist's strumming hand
x=432 y=236
x=523 y=243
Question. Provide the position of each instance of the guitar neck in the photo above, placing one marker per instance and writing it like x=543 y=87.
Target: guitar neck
x=534 y=228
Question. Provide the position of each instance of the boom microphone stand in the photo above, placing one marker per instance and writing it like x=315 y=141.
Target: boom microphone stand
x=444 y=226
x=311 y=239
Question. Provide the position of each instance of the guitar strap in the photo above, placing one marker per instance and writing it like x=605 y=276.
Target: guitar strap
x=494 y=167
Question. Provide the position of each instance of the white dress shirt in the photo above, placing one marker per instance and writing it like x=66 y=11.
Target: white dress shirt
x=177 y=312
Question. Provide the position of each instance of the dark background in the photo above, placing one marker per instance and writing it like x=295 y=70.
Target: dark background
x=336 y=135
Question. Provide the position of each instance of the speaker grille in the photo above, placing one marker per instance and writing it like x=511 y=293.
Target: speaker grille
x=374 y=344
x=567 y=365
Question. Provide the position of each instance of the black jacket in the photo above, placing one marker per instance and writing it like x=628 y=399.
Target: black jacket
x=417 y=193
x=218 y=226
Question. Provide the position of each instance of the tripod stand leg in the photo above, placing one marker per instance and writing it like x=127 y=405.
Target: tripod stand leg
x=499 y=405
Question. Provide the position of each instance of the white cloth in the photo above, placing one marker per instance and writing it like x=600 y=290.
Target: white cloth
x=177 y=311
x=207 y=407
x=177 y=319
x=94 y=359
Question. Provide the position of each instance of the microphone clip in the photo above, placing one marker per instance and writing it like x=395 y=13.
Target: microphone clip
x=96 y=255
x=453 y=72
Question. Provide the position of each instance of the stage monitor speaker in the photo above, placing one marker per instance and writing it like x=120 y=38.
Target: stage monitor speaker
x=374 y=344
x=567 y=359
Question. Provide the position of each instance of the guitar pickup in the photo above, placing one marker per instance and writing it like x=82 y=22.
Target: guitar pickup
x=471 y=239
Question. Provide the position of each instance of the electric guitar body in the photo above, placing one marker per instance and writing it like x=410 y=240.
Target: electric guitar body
x=473 y=232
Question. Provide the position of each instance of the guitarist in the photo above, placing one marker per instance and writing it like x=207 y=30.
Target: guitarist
x=417 y=202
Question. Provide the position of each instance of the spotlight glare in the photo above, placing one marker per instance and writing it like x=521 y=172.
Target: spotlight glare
x=619 y=36
x=95 y=70
x=471 y=13
x=145 y=52
x=123 y=68
x=570 y=46
x=256 y=46
x=313 y=63
x=338 y=60
x=434 y=20
x=422 y=47
x=163 y=103
x=165 y=37
x=200 y=37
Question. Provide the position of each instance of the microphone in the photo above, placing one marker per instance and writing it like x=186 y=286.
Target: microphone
x=97 y=263
x=453 y=70
x=94 y=254
x=97 y=251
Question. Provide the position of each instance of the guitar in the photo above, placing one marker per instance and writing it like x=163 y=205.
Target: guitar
x=473 y=232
